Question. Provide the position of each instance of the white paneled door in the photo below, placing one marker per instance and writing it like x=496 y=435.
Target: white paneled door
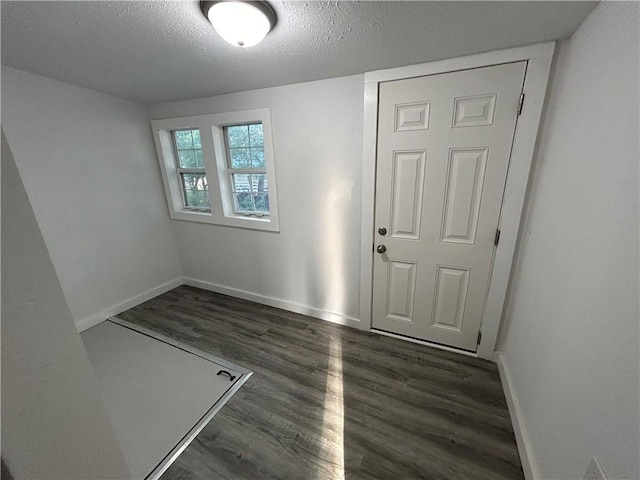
x=444 y=143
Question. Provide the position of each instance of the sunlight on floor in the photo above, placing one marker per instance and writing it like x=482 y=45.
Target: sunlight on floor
x=332 y=441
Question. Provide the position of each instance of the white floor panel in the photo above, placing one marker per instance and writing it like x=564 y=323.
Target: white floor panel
x=158 y=395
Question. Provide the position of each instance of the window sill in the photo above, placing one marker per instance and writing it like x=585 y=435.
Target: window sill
x=240 y=221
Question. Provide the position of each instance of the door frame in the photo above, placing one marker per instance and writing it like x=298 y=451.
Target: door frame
x=539 y=58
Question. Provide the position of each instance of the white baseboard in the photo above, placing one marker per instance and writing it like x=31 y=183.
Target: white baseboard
x=93 y=320
x=276 y=302
x=87 y=322
x=527 y=457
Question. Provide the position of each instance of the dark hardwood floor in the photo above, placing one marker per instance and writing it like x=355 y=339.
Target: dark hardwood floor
x=330 y=402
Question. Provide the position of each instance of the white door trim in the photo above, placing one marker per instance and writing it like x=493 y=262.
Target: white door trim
x=539 y=59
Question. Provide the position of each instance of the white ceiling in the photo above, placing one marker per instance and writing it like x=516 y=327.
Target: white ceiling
x=156 y=51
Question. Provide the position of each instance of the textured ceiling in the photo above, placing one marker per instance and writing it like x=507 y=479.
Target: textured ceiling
x=161 y=51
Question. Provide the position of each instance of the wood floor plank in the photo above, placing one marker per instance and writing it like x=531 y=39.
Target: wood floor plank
x=329 y=402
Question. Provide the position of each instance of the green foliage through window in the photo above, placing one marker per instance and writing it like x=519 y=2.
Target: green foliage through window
x=190 y=165
x=245 y=147
x=196 y=190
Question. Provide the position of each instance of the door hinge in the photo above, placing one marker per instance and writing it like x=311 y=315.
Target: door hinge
x=521 y=104
x=497 y=238
x=479 y=337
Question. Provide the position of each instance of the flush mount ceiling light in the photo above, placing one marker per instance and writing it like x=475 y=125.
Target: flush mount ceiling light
x=241 y=23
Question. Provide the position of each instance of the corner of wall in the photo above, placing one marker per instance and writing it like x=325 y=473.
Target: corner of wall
x=525 y=449
x=93 y=320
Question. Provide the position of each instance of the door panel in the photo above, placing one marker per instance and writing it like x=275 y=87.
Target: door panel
x=408 y=182
x=401 y=288
x=465 y=179
x=451 y=296
x=412 y=116
x=474 y=111
x=443 y=152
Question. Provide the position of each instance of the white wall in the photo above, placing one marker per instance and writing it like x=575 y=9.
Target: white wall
x=89 y=167
x=54 y=425
x=571 y=342
x=314 y=260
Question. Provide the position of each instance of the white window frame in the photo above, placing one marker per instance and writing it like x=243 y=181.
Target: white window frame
x=216 y=165
x=241 y=171
x=182 y=170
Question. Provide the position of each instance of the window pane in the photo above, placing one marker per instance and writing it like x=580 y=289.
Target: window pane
x=189 y=148
x=191 y=198
x=242 y=196
x=256 y=135
x=195 y=190
x=244 y=202
x=250 y=192
x=240 y=158
x=194 y=181
x=257 y=157
x=197 y=144
x=259 y=183
x=238 y=136
x=187 y=158
x=262 y=202
x=184 y=139
x=241 y=182
x=205 y=202
x=196 y=199
x=199 y=163
x=244 y=182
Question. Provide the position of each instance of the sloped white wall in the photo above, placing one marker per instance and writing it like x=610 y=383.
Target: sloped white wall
x=571 y=341
x=314 y=261
x=54 y=425
x=89 y=167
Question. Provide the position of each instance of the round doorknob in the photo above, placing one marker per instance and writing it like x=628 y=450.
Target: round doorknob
x=381 y=249
x=382 y=231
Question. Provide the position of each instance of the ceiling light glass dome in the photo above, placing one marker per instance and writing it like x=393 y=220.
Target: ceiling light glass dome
x=243 y=24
